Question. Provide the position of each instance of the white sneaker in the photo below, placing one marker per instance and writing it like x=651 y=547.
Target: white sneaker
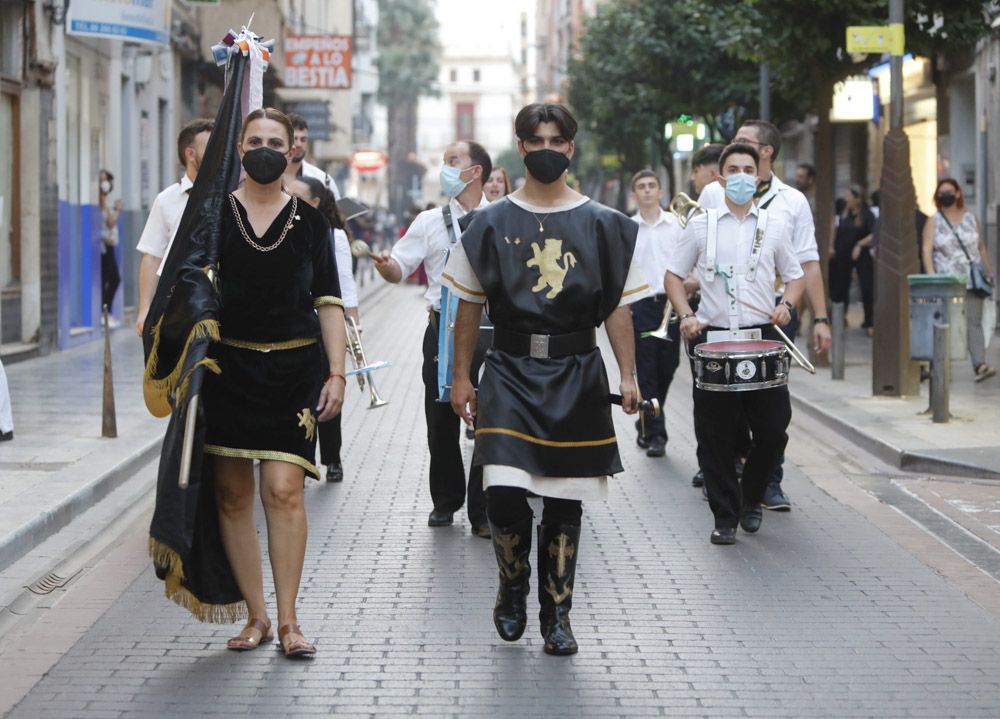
x=984 y=371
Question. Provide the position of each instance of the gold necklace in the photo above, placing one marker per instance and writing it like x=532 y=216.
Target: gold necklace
x=246 y=236
x=541 y=223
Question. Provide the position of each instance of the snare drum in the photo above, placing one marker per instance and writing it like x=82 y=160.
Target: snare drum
x=740 y=365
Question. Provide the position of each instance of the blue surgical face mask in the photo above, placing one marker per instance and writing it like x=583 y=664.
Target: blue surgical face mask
x=740 y=187
x=451 y=180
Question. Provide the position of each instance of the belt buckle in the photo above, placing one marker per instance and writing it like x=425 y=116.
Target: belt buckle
x=539 y=348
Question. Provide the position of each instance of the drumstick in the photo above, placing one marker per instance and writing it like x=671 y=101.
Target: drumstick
x=794 y=351
x=359 y=248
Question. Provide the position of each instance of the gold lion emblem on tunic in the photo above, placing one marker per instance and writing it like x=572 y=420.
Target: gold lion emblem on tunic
x=547 y=259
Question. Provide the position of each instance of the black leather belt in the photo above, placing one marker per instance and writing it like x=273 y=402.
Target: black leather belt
x=544 y=346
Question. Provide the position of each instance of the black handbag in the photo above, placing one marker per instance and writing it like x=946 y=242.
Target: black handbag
x=979 y=278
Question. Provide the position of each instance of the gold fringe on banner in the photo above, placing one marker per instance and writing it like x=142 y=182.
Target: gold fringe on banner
x=156 y=392
x=166 y=557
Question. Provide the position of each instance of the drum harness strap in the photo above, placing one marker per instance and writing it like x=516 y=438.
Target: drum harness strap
x=730 y=271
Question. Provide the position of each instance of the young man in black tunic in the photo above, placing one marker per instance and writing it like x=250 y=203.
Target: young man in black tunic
x=551 y=265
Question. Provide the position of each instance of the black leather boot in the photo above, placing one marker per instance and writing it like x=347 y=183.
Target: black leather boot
x=558 y=547
x=512 y=546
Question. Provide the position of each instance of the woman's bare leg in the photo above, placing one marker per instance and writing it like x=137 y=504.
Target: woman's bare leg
x=281 y=485
x=234 y=492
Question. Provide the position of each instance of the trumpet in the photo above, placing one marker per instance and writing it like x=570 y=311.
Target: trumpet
x=683 y=208
x=361 y=367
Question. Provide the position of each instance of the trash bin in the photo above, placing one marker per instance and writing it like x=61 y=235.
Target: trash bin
x=936 y=299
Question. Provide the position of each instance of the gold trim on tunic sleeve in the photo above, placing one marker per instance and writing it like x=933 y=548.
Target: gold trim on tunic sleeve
x=635 y=289
x=459 y=286
x=546 y=442
x=327 y=300
x=263 y=454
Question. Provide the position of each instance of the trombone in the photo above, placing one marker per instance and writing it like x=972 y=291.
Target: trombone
x=684 y=209
x=361 y=366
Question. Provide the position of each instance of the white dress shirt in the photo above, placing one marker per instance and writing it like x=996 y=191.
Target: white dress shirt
x=427 y=240
x=789 y=204
x=735 y=243
x=342 y=251
x=652 y=247
x=164 y=216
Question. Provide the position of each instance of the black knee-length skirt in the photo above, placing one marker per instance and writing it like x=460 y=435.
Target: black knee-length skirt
x=263 y=404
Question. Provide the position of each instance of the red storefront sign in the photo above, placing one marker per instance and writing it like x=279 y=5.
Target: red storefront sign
x=318 y=61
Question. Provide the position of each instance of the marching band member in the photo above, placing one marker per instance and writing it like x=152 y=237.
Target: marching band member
x=429 y=239
x=792 y=207
x=655 y=359
x=738 y=251
x=553 y=265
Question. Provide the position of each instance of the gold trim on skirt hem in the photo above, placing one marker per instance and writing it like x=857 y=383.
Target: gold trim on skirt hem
x=263 y=454
x=166 y=557
x=268 y=346
x=546 y=442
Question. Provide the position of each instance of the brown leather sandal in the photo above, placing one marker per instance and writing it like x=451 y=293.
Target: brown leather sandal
x=240 y=643
x=298 y=648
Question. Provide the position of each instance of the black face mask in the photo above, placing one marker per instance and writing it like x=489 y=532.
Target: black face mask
x=264 y=165
x=946 y=199
x=546 y=165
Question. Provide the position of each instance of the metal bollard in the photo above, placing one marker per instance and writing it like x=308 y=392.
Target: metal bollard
x=837 y=349
x=941 y=374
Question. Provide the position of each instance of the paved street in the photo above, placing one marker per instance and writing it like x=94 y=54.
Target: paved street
x=842 y=607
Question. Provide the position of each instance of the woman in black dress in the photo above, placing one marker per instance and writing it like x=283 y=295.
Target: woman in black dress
x=851 y=251
x=280 y=296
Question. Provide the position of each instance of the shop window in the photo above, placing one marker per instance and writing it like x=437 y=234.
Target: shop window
x=10 y=39
x=10 y=239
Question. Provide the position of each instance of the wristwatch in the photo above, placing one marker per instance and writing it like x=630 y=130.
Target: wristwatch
x=821 y=320
x=789 y=305
x=684 y=317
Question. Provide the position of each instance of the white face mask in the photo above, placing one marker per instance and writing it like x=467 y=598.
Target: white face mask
x=105 y=187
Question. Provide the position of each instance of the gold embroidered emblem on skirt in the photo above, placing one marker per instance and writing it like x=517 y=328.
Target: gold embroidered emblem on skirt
x=308 y=420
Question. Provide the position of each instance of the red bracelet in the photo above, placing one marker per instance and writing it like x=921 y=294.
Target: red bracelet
x=335 y=374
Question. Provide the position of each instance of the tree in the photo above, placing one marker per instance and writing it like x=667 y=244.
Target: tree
x=408 y=65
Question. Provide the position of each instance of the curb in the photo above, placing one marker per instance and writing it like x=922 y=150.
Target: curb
x=904 y=459
x=42 y=526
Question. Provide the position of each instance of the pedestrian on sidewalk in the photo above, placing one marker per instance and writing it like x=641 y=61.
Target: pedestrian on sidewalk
x=312 y=191
x=656 y=359
x=299 y=167
x=552 y=266
x=6 y=414
x=428 y=240
x=166 y=212
x=849 y=253
x=792 y=207
x=743 y=269
x=952 y=243
x=111 y=276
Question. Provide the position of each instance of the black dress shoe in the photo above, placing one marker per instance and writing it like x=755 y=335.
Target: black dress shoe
x=698 y=480
x=440 y=518
x=482 y=530
x=335 y=472
x=639 y=439
x=750 y=519
x=6 y=436
x=657 y=447
x=724 y=535
x=775 y=500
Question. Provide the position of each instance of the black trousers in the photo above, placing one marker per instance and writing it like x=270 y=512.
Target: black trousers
x=721 y=423
x=110 y=276
x=447 y=472
x=841 y=267
x=509 y=505
x=330 y=439
x=656 y=360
